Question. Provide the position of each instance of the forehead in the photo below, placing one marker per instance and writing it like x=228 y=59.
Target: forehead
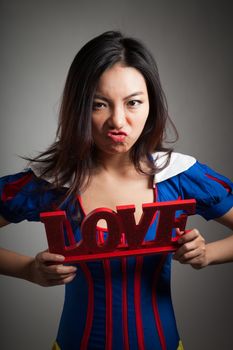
x=122 y=80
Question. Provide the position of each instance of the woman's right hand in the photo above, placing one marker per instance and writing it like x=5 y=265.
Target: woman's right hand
x=47 y=269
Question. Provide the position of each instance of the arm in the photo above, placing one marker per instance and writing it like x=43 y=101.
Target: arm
x=45 y=269
x=222 y=250
x=198 y=254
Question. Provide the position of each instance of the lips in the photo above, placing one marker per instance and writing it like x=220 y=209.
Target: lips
x=117 y=136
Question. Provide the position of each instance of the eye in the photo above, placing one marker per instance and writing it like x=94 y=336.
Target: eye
x=97 y=105
x=134 y=103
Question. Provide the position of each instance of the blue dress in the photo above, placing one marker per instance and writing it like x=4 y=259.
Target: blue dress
x=121 y=303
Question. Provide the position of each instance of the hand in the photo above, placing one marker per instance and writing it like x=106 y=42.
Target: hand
x=192 y=249
x=46 y=269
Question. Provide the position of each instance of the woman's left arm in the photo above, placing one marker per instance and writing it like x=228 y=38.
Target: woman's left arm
x=195 y=251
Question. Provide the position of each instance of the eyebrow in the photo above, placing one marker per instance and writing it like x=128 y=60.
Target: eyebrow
x=125 y=98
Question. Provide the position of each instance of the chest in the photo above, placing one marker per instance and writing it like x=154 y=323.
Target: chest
x=110 y=195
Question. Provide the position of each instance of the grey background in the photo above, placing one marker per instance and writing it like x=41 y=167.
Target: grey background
x=192 y=43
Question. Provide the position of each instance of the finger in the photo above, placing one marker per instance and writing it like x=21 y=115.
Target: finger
x=61 y=281
x=189 y=236
x=185 y=248
x=46 y=257
x=192 y=255
x=179 y=232
x=58 y=269
x=61 y=277
x=198 y=242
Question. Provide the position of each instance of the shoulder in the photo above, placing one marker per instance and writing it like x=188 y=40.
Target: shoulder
x=212 y=191
x=178 y=163
x=23 y=196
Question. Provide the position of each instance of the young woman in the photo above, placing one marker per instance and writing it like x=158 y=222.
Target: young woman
x=109 y=151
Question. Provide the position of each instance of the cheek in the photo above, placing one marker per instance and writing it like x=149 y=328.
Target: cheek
x=147 y=110
x=96 y=124
x=99 y=119
x=142 y=118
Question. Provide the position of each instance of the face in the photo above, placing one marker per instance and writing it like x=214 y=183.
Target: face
x=120 y=109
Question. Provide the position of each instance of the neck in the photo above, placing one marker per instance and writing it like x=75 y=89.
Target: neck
x=119 y=163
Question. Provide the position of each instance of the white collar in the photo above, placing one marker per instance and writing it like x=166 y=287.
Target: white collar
x=178 y=163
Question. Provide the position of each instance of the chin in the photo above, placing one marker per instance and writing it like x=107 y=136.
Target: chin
x=118 y=149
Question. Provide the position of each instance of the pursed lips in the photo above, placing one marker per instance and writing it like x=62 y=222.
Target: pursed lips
x=117 y=136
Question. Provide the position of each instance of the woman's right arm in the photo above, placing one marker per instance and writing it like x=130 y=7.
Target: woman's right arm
x=45 y=269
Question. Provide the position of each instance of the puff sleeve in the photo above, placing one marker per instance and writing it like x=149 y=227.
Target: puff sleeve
x=23 y=197
x=212 y=191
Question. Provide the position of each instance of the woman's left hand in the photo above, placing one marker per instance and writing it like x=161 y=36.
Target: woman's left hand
x=192 y=249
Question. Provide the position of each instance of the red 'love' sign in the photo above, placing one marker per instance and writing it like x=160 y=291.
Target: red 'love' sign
x=124 y=237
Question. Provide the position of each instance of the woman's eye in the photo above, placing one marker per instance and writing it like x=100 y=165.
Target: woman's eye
x=98 y=105
x=134 y=103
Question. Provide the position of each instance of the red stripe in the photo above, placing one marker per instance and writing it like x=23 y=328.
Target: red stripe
x=221 y=182
x=11 y=189
x=124 y=304
x=90 y=307
x=137 y=302
x=155 y=304
x=108 y=287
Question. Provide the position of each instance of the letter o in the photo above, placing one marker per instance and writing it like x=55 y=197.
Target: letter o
x=88 y=230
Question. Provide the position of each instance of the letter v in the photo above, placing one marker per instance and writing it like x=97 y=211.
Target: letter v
x=135 y=233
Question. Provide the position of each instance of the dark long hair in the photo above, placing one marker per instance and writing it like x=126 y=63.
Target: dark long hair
x=71 y=157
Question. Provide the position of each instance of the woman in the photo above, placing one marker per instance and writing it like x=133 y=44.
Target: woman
x=109 y=151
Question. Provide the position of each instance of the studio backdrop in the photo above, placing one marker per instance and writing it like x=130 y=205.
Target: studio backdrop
x=192 y=44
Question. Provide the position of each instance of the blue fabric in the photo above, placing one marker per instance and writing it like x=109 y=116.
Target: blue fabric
x=29 y=200
x=76 y=303
x=213 y=200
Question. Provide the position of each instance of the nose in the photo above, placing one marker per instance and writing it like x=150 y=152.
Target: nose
x=117 y=119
